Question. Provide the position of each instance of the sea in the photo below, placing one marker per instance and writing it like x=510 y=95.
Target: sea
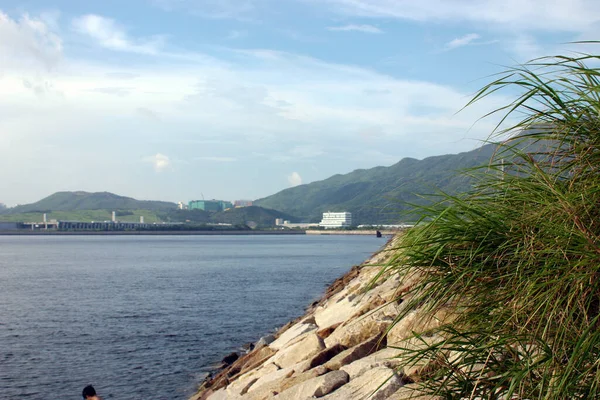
x=147 y=317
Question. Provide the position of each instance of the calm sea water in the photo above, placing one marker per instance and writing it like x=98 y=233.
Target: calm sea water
x=146 y=317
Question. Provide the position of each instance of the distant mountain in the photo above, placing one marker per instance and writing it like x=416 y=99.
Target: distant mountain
x=380 y=194
x=73 y=201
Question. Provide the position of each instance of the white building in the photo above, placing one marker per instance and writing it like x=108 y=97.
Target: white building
x=336 y=220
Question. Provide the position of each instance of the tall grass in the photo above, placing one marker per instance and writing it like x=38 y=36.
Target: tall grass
x=518 y=257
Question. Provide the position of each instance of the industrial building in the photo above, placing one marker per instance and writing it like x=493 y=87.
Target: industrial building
x=105 y=226
x=336 y=220
x=10 y=226
x=210 y=205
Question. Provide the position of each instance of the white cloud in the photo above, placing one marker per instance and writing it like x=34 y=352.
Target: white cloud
x=564 y=15
x=462 y=41
x=159 y=161
x=357 y=28
x=275 y=103
x=294 y=179
x=112 y=36
x=39 y=88
x=28 y=41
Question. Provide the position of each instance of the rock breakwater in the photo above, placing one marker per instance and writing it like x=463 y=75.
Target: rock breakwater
x=341 y=349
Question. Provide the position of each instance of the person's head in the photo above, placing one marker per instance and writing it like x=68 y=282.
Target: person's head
x=88 y=392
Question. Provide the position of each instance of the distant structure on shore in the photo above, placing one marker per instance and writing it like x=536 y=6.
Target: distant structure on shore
x=182 y=206
x=330 y=220
x=336 y=220
x=108 y=226
x=287 y=224
x=210 y=205
x=242 y=203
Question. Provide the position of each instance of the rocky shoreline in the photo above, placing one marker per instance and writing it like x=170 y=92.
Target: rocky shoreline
x=342 y=348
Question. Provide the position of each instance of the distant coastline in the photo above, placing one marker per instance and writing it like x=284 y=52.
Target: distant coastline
x=148 y=233
x=189 y=233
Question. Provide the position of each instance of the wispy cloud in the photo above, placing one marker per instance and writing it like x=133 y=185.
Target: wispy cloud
x=111 y=35
x=29 y=39
x=462 y=41
x=243 y=10
x=525 y=47
x=355 y=28
x=565 y=15
x=39 y=88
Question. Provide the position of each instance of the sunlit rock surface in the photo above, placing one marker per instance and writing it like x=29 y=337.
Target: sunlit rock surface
x=342 y=348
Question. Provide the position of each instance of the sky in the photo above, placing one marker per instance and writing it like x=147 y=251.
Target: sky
x=238 y=99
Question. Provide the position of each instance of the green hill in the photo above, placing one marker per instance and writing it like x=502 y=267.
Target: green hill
x=75 y=201
x=378 y=195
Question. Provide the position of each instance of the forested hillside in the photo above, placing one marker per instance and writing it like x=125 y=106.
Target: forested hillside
x=74 y=201
x=380 y=194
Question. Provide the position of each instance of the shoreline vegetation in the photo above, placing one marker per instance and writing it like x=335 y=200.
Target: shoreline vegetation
x=494 y=294
x=511 y=269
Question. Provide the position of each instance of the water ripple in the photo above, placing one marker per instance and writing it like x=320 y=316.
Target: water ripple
x=147 y=317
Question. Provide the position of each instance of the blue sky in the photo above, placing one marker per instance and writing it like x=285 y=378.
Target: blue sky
x=232 y=99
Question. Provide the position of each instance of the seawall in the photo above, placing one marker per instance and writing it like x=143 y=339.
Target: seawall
x=370 y=232
x=342 y=348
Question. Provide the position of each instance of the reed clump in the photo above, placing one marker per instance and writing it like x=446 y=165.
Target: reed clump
x=518 y=257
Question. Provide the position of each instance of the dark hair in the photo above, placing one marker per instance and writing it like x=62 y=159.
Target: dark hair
x=88 y=391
